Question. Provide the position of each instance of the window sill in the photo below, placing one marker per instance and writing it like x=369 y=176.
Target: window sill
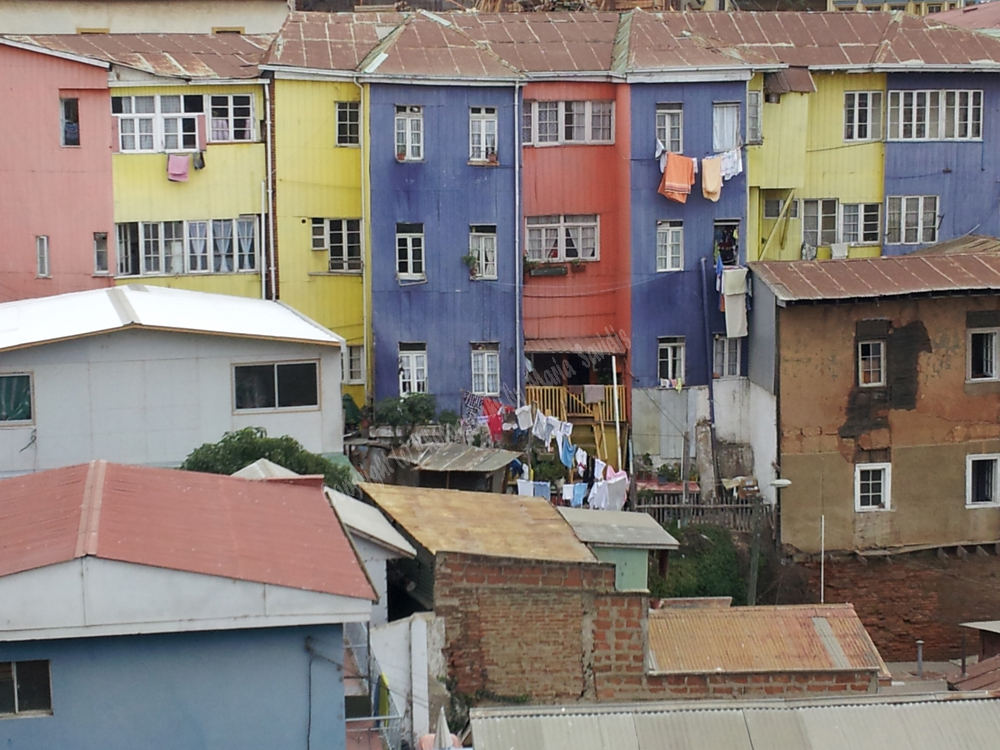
x=411 y=280
x=199 y=274
x=482 y=163
x=26 y=715
x=353 y=382
x=101 y=274
x=358 y=272
x=477 y=277
x=409 y=161
x=933 y=140
x=347 y=145
x=14 y=425
x=277 y=410
x=871 y=386
x=669 y=270
x=974 y=506
x=876 y=509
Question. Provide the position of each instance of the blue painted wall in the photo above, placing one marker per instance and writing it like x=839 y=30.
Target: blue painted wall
x=447 y=195
x=221 y=690
x=964 y=174
x=670 y=303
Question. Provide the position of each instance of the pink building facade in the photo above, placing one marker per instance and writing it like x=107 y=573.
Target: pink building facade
x=56 y=199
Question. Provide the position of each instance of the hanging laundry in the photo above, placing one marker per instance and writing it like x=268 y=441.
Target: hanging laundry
x=598 y=498
x=579 y=494
x=734 y=286
x=554 y=425
x=523 y=417
x=177 y=167
x=541 y=489
x=567 y=453
x=525 y=488
x=542 y=429
x=494 y=424
x=616 y=489
x=678 y=178
x=581 y=461
x=711 y=178
x=661 y=155
x=492 y=407
x=732 y=163
x=599 y=469
x=472 y=406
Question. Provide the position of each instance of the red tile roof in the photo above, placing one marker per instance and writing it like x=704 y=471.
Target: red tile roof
x=261 y=532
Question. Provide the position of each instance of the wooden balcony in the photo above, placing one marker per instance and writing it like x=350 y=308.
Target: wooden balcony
x=735 y=514
x=557 y=401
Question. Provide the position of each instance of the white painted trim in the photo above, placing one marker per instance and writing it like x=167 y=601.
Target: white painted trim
x=995 y=457
x=184 y=82
x=886 y=487
x=52 y=53
x=689 y=75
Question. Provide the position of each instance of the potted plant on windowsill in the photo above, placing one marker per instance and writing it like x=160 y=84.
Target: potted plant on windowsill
x=491 y=157
x=576 y=265
x=400 y=154
x=472 y=262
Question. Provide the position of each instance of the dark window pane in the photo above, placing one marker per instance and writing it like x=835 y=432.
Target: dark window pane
x=255 y=387
x=297 y=385
x=15 y=398
x=194 y=103
x=6 y=688
x=71 y=122
x=33 y=686
x=982 y=481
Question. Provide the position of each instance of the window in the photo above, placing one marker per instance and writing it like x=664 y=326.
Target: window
x=860 y=223
x=863 y=115
x=935 y=115
x=725 y=127
x=25 y=687
x=180 y=133
x=982 y=359
x=871 y=363
x=669 y=246
x=15 y=398
x=42 y=256
x=911 y=219
x=410 y=251
x=486 y=369
x=568 y=122
x=670 y=358
x=754 y=120
x=483 y=246
x=933 y=9
x=70 y=126
x=670 y=127
x=231 y=118
x=348 y=123
x=177 y=247
x=409 y=133
x=562 y=238
x=872 y=486
x=981 y=478
x=100 y=252
x=482 y=133
x=276 y=385
x=352 y=367
x=726 y=357
x=726 y=241
x=412 y=369
x=819 y=222
x=341 y=238
x=136 y=119
x=773 y=206
x=158 y=123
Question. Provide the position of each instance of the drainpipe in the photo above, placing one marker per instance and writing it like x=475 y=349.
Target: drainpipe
x=263 y=258
x=708 y=362
x=271 y=176
x=518 y=271
x=366 y=228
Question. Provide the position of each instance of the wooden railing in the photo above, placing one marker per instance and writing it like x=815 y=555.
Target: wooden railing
x=667 y=507
x=557 y=401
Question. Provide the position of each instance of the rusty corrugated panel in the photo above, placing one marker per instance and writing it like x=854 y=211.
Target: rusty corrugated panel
x=798 y=80
x=981 y=16
x=618 y=528
x=330 y=41
x=455 y=457
x=761 y=639
x=984 y=675
x=195 y=56
x=200 y=523
x=452 y=521
x=579 y=344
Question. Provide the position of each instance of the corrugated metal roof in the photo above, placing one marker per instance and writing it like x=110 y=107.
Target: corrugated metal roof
x=618 y=528
x=329 y=41
x=179 y=520
x=863 y=278
x=797 y=80
x=453 y=521
x=984 y=675
x=263 y=469
x=454 y=457
x=41 y=320
x=970 y=243
x=980 y=16
x=367 y=521
x=761 y=639
x=990 y=626
x=580 y=344
x=969 y=721
x=188 y=56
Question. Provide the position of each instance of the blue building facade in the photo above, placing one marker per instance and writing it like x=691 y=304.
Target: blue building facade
x=254 y=689
x=961 y=172
x=441 y=205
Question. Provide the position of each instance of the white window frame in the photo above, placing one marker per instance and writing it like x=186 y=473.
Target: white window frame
x=352 y=364
x=928 y=115
x=31 y=396
x=347 y=116
x=409 y=132
x=43 y=266
x=755 y=118
x=862 y=116
x=334 y=237
x=675 y=350
x=542 y=230
x=102 y=258
x=151 y=237
x=880 y=382
x=179 y=123
x=727 y=357
x=483 y=245
x=886 y=493
x=869 y=223
x=414 y=246
x=277 y=397
x=484 y=126
x=906 y=232
x=227 y=122
x=720 y=141
x=485 y=370
x=823 y=212
x=670 y=126
x=994 y=338
x=412 y=361
x=994 y=458
x=669 y=246
x=554 y=123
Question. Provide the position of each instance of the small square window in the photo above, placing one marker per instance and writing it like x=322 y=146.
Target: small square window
x=726 y=359
x=70 y=121
x=486 y=369
x=276 y=385
x=412 y=368
x=871 y=363
x=872 y=486
x=670 y=360
x=982 y=358
x=100 y=252
x=25 y=687
x=348 y=123
x=981 y=480
x=15 y=398
x=669 y=246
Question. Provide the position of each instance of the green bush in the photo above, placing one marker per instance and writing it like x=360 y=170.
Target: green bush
x=417 y=408
x=243 y=447
x=707 y=564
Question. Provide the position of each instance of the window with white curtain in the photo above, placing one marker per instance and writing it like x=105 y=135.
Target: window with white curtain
x=911 y=219
x=486 y=369
x=725 y=126
x=155 y=248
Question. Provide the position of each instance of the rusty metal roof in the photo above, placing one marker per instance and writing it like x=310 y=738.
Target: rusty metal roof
x=579 y=344
x=262 y=532
x=867 y=278
x=480 y=523
x=617 y=528
x=798 y=80
x=980 y=16
x=454 y=457
x=795 y=638
x=984 y=675
x=330 y=41
x=187 y=56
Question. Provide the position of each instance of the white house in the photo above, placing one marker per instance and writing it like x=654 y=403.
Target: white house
x=143 y=375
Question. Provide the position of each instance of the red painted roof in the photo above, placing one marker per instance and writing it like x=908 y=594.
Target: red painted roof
x=981 y=16
x=262 y=532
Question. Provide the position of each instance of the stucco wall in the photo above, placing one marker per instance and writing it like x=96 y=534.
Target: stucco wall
x=248 y=689
x=152 y=397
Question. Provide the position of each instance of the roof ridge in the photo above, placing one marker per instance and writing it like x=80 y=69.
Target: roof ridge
x=90 y=509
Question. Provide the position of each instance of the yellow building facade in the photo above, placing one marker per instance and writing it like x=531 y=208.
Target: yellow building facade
x=817 y=176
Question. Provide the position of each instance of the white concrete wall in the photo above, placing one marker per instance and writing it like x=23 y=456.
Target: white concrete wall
x=732 y=410
x=373 y=558
x=151 y=397
x=763 y=436
x=139 y=16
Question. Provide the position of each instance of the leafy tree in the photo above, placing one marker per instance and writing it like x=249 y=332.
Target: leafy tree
x=707 y=564
x=414 y=409
x=243 y=447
